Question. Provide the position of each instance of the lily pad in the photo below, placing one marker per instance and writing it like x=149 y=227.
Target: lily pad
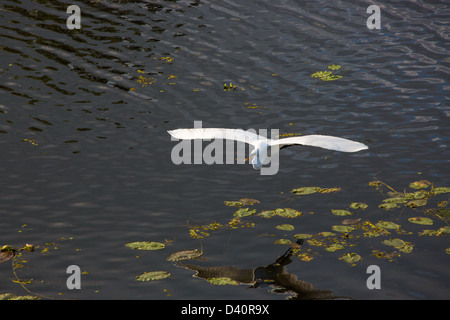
x=243 y=212
x=394 y=242
x=11 y=296
x=358 y=205
x=397 y=199
x=302 y=236
x=233 y=203
x=334 y=247
x=184 y=255
x=387 y=225
x=267 y=213
x=351 y=221
x=305 y=190
x=350 y=258
x=283 y=241
x=420 y=184
x=145 y=245
x=221 y=281
x=343 y=229
x=153 y=275
x=331 y=77
x=421 y=220
x=339 y=212
x=334 y=67
x=416 y=203
x=320 y=74
x=285 y=227
x=326 y=234
x=388 y=206
x=439 y=232
x=248 y=201
x=288 y=213
x=440 y=190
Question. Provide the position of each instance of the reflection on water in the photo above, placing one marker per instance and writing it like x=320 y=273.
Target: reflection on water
x=274 y=275
x=84 y=114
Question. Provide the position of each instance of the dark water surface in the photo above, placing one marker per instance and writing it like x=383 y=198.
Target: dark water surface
x=85 y=158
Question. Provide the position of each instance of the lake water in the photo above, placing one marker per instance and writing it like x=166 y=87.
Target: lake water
x=85 y=157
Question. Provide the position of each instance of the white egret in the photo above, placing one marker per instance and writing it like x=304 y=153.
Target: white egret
x=261 y=144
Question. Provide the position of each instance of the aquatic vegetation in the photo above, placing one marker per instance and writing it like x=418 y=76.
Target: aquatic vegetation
x=339 y=212
x=341 y=240
x=285 y=227
x=221 y=281
x=230 y=87
x=32 y=141
x=351 y=258
x=310 y=190
x=153 y=275
x=243 y=212
x=328 y=75
x=184 y=255
x=10 y=296
x=145 y=245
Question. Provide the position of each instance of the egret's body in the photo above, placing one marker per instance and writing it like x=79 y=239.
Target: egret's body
x=262 y=144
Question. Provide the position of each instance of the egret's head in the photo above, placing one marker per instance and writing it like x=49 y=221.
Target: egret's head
x=259 y=154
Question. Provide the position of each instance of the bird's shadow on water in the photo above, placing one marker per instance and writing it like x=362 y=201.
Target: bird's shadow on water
x=275 y=275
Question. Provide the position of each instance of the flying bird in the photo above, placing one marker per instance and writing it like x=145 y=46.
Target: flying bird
x=262 y=144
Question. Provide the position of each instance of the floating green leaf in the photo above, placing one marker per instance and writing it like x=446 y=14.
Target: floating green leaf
x=221 y=281
x=343 y=229
x=184 y=255
x=283 y=241
x=388 y=206
x=420 y=184
x=267 y=213
x=243 y=212
x=387 y=225
x=421 y=220
x=339 y=212
x=145 y=245
x=394 y=242
x=302 y=236
x=439 y=232
x=358 y=205
x=331 y=77
x=233 y=203
x=334 y=67
x=395 y=200
x=153 y=275
x=350 y=258
x=285 y=227
x=407 y=248
x=288 y=213
x=248 y=201
x=326 y=234
x=440 y=190
x=305 y=190
x=416 y=203
x=351 y=221
x=320 y=74
x=334 y=247
x=11 y=296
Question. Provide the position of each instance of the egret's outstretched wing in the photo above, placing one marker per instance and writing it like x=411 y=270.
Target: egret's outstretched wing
x=326 y=142
x=217 y=133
